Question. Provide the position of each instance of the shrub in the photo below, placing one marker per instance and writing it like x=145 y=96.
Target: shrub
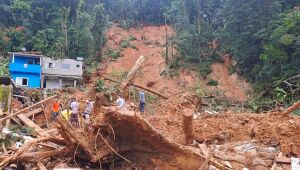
x=125 y=44
x=113 y=53
x=120 y=75
x=212 y=83
x=231 y=70
x=133 y=47
x=116 y=54
x=131 y=38
x=100 y=86
x=205 y=69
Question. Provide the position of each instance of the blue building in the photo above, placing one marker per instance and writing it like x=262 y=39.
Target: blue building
x=25 y=69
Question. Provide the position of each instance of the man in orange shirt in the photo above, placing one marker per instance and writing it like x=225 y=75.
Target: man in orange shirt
x=55 y=109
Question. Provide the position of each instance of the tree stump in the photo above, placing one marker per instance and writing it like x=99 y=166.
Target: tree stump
x=187 y=126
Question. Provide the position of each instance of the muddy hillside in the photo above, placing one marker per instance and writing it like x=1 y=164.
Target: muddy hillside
x=187 y=124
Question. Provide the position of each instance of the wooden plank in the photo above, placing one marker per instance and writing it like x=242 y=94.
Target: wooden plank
x=41 y=166
x=16 y=120
x=274 y=167
x=205 y=163
x=204 y=149
x=131 y=73
x=34 y=112
x=283 y=160
x=25 y=109
x=31 y=124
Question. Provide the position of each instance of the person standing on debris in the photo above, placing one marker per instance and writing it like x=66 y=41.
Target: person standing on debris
x=55 y=109
x=120 y=102
x=88 y=109
x=74 y=115
x=142 y=101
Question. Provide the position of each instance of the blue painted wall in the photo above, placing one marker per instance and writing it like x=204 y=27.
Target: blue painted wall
x=32 y=72
x=33 y=79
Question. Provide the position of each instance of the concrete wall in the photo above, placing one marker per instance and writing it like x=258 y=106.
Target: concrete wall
x=62 y=67
x=58 y=83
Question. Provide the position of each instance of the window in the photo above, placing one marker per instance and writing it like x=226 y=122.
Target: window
x=30 y=62
x=65 y=66
x=78 y=66
x=22 y=81
x=50 y=65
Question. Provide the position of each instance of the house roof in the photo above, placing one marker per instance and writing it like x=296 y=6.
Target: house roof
x=25 y=54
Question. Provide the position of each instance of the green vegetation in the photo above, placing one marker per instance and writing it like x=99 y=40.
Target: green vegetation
x=125 y=43
x=131 y=38
x=212 y=83
x=263 y=37
x=113 y=53
x=4 y=97
x=119 y=75
x=57 y=28
x=100 y=86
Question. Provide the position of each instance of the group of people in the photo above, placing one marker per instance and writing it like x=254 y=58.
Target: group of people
x=142 y=102
x=70 y=113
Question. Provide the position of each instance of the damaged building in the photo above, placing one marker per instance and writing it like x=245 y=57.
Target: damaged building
x=61 y=73
x=38 y=71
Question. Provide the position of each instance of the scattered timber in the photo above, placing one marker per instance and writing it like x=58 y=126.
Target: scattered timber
x=26 y=109
x=24 y=148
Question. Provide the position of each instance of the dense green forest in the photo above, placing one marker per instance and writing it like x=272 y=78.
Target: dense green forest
x=263 y=36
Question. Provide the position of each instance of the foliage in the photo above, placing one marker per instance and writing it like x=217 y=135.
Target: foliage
x=120 y=75
x=113 y=53
x=212 y=83
x=100 y=86
x=59 y=29
x=131 y=38
x=125 y=43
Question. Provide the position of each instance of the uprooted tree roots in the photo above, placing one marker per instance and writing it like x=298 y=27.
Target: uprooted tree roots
x=125 y=135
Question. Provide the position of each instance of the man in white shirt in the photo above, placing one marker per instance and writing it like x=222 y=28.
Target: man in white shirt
x=74 y=115
x=120 y=102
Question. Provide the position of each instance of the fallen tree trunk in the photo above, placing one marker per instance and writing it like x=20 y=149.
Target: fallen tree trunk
x=131 y=73
x=291 y=109
x=140 y=87
x=149 y=90
x=25 y=109
x=25 y=147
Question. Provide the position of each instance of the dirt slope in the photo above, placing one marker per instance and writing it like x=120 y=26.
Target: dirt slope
x=269 y=129
x=152 y=47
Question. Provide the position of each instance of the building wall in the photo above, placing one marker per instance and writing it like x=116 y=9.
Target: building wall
x=73 y=69
x=57 y=84
x=33 y=79
x=19 y=67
